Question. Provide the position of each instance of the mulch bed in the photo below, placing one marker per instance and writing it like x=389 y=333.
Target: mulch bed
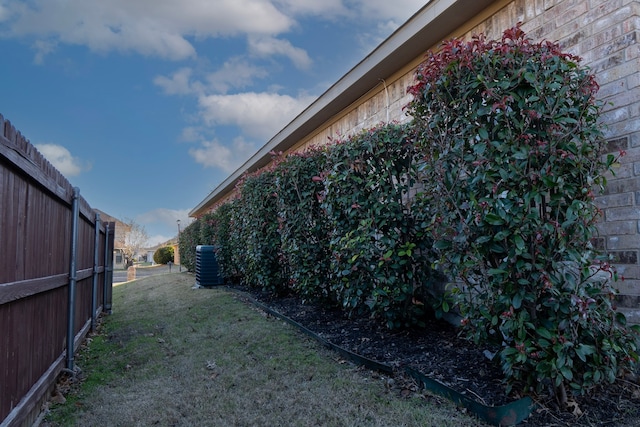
x=440 y=353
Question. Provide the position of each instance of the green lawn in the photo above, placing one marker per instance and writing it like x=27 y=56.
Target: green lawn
x=171 y=355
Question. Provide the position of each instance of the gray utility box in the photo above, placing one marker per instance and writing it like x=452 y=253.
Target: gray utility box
x=207 y=269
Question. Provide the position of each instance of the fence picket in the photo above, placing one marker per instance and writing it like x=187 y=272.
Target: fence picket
x=38 y=272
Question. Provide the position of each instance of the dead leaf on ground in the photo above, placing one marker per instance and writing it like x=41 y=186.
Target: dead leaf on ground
x=574 y=408
x=58 y=398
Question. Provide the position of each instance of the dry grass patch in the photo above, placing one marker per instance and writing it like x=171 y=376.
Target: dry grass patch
x=171 y=355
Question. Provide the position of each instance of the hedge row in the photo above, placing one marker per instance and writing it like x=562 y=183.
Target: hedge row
x=491 y=185
x=334 y=224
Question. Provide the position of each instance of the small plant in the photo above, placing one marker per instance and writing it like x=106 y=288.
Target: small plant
x=511 y=157
x=163 y=255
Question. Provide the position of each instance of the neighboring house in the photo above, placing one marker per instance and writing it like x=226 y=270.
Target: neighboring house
x=605 y=33
x=119 y=241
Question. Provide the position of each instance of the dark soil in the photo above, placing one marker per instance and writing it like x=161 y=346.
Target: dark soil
x=439 y=352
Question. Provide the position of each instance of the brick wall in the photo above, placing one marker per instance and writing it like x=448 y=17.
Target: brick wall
x=605 y=34
x=383 y=104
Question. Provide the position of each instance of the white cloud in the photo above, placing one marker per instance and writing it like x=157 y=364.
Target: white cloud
x=4 y=13
x=167 y=217
x=259 y=115
x=191 y=134
x=385 y=10
x=43 y=48
x=164 y=28
x=179 y=83
x=164 y=219
x=385 y=17
x=62 y=159
x=264 y=46
x=236 y=73
x=397 y=10
x=227 y=158
x=157 y=239
x=324 y=8
x=149 y=27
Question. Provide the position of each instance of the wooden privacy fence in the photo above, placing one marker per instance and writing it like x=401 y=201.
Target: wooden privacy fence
x=56 y=262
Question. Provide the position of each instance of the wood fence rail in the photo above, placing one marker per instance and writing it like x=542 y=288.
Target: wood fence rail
x=56 y=270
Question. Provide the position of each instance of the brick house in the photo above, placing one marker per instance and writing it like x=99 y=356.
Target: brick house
x=604 y=33
x=121 y=231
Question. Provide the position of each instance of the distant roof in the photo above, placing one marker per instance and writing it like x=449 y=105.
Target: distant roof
x=428 y=27
x=105 y=217
x=121 y=227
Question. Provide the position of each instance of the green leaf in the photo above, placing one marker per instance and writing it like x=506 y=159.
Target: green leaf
x=483 y=239
x=544 y=333
x=544 y=343
x=445 y=306
x=493 y=219
x=530 y=77
x=519 y=242
x=583 y=350
x=521 y=155
x=558 y=380
x=442 y=244
x=480 y=148
x=517 y=300
x=561 y=361
x=566 y=372
x=501 y=235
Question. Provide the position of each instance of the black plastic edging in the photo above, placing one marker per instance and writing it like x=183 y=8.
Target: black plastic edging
x=510 y=414
x=506 y=415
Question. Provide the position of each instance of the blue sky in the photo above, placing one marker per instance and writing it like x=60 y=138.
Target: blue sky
x=147 y=105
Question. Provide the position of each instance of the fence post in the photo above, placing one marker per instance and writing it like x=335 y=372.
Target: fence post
x=73 y=275
x=108 y=266
x=94 y=289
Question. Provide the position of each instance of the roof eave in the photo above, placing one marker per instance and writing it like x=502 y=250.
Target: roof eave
x=426 y=28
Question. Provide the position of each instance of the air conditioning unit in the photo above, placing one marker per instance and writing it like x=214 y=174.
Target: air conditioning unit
x=207 y=268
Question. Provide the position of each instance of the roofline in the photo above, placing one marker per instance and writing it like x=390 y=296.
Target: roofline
x=428 y=27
